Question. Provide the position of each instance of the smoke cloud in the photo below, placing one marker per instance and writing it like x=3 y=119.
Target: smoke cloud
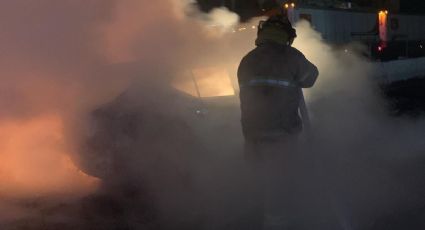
x=355 y=144
x=62 y=60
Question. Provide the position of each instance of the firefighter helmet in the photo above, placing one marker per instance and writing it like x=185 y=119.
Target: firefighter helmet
x=279 y=22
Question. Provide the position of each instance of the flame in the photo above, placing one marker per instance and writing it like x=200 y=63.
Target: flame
x=34 y=161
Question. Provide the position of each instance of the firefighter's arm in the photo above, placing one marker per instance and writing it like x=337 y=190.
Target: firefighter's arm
x=307 y=72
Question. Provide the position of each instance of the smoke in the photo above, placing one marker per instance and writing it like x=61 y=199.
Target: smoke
x=355 y=144
x=44 y=64
x=62 y=60
x=222 y=18
x=347 y=86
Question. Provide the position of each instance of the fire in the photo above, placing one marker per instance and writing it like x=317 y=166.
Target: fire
x=34 y=161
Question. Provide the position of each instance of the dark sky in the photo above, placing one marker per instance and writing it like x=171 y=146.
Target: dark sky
x=249 y=8
x=412 y=6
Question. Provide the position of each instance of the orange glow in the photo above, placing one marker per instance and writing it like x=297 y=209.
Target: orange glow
x=211 y=82
x=383 y=18
x=34 y=162
x=293 y=5
x=286 y=6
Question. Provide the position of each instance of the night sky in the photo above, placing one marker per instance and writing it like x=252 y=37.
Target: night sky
x=250 y=8
x=412 y=6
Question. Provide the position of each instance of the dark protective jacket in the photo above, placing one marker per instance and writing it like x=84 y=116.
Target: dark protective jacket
x=270 y=78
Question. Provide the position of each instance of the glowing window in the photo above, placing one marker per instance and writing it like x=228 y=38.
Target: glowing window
x=205 y=82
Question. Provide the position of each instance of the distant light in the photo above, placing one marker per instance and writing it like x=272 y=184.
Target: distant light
x=346 y=50
x=292 y=5
x=263 y=9
x=242 y=28
x=421 y=46
x=383 y=12
x=380 y=48
x=253 y=27
x=286 y=6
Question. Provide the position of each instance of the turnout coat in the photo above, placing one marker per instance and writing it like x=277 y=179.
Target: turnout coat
x=270 y=78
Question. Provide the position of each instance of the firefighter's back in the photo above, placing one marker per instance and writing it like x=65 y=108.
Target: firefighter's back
x=268 y=92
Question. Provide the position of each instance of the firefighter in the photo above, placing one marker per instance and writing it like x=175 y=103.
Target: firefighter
x=271 y=77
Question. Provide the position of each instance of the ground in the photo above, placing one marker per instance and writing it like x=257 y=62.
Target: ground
x=396 y=204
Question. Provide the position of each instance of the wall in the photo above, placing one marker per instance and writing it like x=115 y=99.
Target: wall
x=336 y=26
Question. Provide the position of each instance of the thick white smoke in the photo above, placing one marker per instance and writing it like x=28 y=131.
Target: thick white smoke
x=55 y=54
x=355 y=144
x=62 y=60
